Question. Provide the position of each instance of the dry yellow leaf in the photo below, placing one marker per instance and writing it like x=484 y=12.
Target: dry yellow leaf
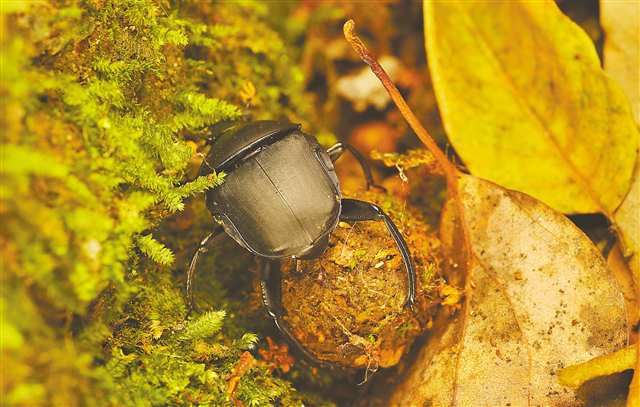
x=526 y=104
x=541 y=299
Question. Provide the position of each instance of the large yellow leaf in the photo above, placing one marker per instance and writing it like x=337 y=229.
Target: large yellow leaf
x=526 y=104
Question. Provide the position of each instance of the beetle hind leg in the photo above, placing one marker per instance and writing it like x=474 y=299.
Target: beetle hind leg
x=191 y=271
x=356 y=210
x=271 y=299
x=338 y=149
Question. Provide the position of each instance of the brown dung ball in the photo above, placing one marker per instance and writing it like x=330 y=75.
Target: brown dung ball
x=347 y=307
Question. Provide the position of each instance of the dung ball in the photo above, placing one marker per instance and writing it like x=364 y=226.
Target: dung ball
x=347 y=306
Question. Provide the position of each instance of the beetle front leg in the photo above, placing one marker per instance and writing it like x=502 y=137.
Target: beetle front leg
x=202 y=248
x=271 y=299
x=338 y=149
x=356 y=210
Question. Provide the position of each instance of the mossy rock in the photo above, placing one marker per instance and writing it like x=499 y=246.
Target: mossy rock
x=347 y=307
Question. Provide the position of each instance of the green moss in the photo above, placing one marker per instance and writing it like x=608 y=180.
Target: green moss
x=106 y=105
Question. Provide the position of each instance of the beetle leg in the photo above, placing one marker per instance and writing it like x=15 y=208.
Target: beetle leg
x=338 y=149
x=271 y=298
x=202 y=248
x=356 y=210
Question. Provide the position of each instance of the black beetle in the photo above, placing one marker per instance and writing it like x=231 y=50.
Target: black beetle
x=281 y=199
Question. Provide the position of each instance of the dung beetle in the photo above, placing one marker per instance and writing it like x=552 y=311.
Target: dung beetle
x=281 y=199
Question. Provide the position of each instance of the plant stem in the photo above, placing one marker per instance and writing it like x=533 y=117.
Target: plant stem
x=451 y=173
x=405 y=110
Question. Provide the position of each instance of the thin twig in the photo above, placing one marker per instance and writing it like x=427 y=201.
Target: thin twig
x=451 y=173
x=414 y=123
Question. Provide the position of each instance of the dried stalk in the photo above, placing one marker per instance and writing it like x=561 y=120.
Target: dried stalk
x=451 y=173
